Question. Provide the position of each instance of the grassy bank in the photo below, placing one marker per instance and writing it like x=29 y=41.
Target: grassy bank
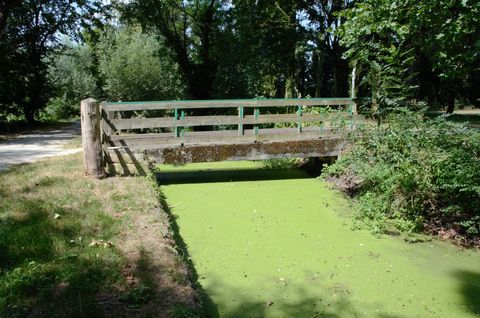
x=76 y=247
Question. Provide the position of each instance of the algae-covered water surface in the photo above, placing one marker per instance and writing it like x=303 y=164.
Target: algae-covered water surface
x=276 y=243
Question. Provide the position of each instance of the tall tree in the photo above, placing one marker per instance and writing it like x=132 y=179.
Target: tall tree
x=322 y=19
x=189 y=29
x=32 y=30
x=441 y=36
x=136 y=66
x=263 y=38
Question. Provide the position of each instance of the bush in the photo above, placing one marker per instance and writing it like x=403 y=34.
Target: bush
x=138 y=66
x=61 y=108
x=419 y=173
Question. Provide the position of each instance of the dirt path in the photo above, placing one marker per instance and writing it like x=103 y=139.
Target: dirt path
x=36 y=145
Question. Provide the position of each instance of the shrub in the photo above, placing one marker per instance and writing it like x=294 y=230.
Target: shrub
x=421 y=174
x=61 y=108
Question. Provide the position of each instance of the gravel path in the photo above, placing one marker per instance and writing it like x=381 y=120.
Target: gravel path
x=33 y=146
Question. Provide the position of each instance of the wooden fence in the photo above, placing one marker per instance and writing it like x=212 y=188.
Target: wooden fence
x=140 y=126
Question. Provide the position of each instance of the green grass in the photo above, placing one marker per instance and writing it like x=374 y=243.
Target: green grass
x=276 y=243
x=68 y=242
x=47 y=224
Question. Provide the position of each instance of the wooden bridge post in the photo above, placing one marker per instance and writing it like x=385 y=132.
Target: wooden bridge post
x=240 y=121
x=256 y=115
x=91 y=138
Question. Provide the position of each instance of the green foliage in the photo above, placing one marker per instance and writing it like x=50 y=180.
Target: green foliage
x=71 y=72
x=432 y=44
x=137 y=66
x=60 y=108
x=417 y=172
x=188 y=29
x=29 y=34
x=282 y=163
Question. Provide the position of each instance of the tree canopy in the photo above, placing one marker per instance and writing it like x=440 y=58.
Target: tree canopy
x=207 y=49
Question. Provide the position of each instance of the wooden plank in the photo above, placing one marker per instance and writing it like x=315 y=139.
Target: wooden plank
x=135 y=106
x=120 y=155
x=165 y=122
x=219 y=133
x=142 y=123
x=157 y=141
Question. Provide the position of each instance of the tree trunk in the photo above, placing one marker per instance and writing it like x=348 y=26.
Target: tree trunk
x=450 y=103
x=29 y=114
x=319 y=74
x=341 y=78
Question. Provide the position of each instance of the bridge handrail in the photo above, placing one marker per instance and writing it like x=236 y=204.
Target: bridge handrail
x=180 y=119
x=198 y=104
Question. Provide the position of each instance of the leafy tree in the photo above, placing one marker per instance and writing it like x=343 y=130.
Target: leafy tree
x=71 y=73
x=137 y=66
x=267 y=35
x=31 y=33
x=438 y=39
x=188 y=29
x=5 y=7
x=330 y=70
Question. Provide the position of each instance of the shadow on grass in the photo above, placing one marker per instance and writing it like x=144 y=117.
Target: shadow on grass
x=211 y=176
x=46 y=270
x=470 y=290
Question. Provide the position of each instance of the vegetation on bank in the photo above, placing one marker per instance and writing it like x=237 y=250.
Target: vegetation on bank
x=78 y=247
x=416 y=173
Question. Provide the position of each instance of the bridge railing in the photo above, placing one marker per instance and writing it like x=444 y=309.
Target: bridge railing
x=146 y=125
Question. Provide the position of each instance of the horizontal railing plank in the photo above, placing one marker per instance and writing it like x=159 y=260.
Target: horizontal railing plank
x=141 y=123
x=144 y=141
x=166 y=122
x=197 y=104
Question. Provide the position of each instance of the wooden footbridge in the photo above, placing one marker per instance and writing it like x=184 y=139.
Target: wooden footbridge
x=178 y=132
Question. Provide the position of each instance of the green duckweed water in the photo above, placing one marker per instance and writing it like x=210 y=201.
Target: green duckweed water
x=267 y=243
